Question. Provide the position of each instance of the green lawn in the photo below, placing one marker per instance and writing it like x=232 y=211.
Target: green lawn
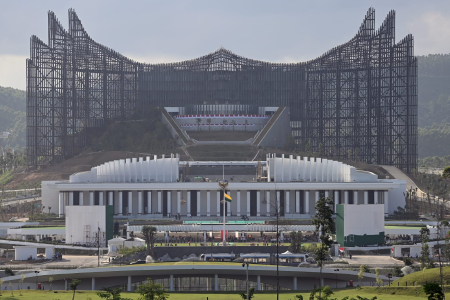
x=403 y=227
x=369 y=292
x=427 y=275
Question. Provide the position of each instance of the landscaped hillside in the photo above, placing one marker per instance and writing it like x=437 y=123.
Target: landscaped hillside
x=12 y=117
x=434 y=108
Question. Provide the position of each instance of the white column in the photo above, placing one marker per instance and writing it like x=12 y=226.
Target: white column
x=375 y=197
x=218 y=203
x=327 y=194
x=129 y=284
x=278 y=208
x=81 y=198
x=198 y=203
x=297 y=202
x=346 y=197
x=294 y=283
x=216 y=282
x=179 y=202
x=140 y=203
x=238 y=203
x=188 y=202
x=110 y=198
x=70 y=198
x=366 y=197
x=93 y=283
x=159 y=202
x=258 y=282
x=228 y=209
x=149 y=202
x=268 y=203
x=307 y=202
x=208 y=203
x=258 y=203
x=120 y=203
x=316 y=198
x=286 y=201
x=61 y=204
x=248 y=203
x=336 y=200
x=355 y=197
x=171 y=283
x=169 y=202
x=386 y=202
x=100 y=198
x=91 y=198
x=130 y=203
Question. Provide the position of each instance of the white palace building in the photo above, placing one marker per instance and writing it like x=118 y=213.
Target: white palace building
x=153 y=187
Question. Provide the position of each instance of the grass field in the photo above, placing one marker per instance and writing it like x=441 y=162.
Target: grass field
x=392 y=293
x=427 y=275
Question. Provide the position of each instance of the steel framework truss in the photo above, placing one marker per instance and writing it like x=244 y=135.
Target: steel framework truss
x=358 y=99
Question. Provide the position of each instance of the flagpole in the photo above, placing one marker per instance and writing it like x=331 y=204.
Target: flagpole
x=224 y=212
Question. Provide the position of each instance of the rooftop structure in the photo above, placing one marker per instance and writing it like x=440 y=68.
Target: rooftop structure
x=357 y=99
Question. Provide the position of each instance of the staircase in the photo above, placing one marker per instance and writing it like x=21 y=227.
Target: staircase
x=177 y=128
x=267 y=127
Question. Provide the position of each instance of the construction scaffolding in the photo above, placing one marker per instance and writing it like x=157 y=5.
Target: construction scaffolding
x=357 y=101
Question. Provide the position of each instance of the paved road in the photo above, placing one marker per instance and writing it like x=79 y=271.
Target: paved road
x=398 y=174
x=372 y=260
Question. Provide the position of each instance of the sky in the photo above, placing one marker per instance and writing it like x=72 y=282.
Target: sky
x=166 y=31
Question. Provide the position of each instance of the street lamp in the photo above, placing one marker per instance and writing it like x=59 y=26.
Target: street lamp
x=36 y=272
x=389 y=276
x=245 y=264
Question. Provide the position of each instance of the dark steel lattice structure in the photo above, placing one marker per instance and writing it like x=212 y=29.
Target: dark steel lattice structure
x=359 y=98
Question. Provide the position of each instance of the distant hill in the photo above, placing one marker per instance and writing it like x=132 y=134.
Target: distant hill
x=13 y=117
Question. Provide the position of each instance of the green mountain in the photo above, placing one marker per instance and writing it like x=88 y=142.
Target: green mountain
x=13 y=117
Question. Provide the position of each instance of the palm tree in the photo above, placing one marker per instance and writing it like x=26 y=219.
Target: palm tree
x=234 y=123
x=198 y=120
x=224 y=122
x=246 y=123
x=209 y=123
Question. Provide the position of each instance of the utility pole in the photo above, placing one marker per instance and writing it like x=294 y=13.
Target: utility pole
x=98 y=244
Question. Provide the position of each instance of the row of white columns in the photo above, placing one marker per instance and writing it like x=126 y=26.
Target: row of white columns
x=172 y=286
x=306 y=209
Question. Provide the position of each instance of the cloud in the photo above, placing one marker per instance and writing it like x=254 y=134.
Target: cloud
x=13 y=71
x=431 y=33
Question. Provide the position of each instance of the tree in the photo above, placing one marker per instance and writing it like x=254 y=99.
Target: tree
x=111 y=293
x=296 y=241
x=224 y=122
x=433 y=291
x=198 y=121
x=149 y=233
x=11 y=288
x=209 y=123
x=233 y=122
x=377 y=274
x=73 y=286
x=246 y=123
x=9 y=272
x=251 y=293
x=362 y=269
x=1 y=285
x=50 y=280
x=324 y=223
x=152 y=291
x=22 y=279
x=446 y=173
x=425 y=260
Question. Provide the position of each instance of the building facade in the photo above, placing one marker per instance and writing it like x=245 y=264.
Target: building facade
x=153 y=187
x=357 y=99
